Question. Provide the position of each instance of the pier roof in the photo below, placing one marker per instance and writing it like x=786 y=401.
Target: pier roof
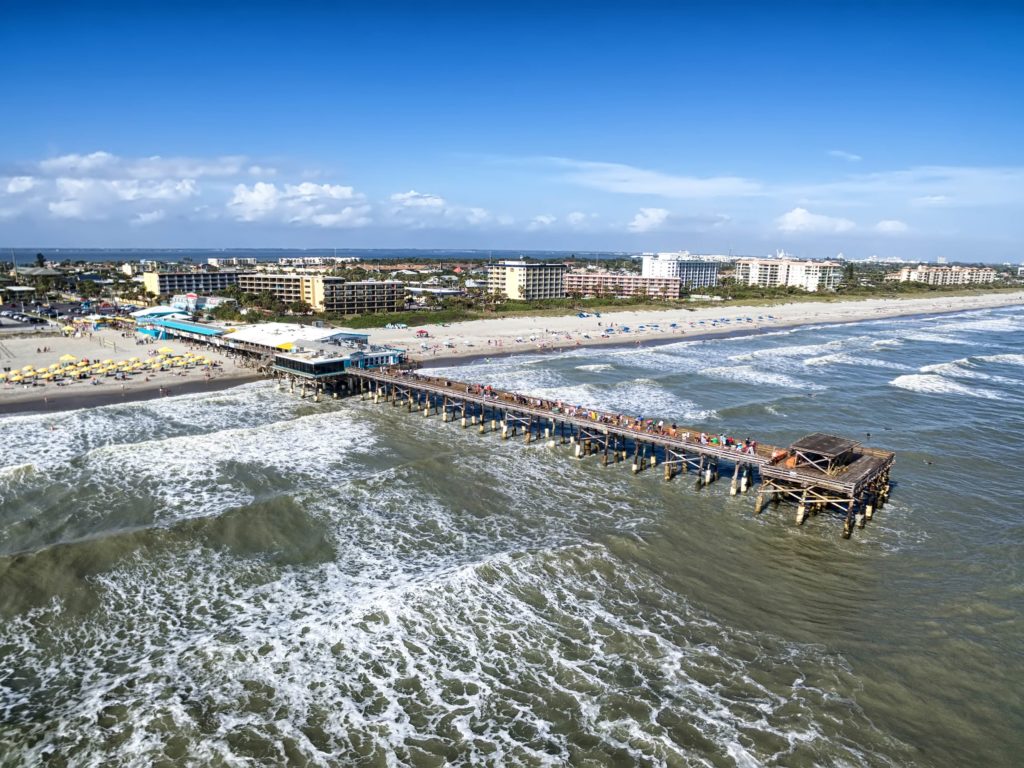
x=829 y=446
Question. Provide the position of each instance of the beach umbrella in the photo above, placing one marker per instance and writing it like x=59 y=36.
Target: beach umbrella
x=15 y=377
x=68 y=329
x=27 y=368
x=68 y=358
x=165 y=351
x=108 y=362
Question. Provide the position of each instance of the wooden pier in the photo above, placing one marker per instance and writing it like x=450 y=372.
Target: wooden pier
x=820 y=473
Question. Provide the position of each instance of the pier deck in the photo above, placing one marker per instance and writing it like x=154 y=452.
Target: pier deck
x=819 y=472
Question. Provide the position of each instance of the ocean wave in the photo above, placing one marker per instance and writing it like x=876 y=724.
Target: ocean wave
x=845 y=358
x=1005 y=359
x=596 y=367
x=967 y=368
x=51 y=440
x=484 y=660
x=644 y=397
x=748 y=374
x=934 y=384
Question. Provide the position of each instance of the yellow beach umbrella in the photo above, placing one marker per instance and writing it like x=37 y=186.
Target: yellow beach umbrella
x=15 y=377
x=165 y=351
x=68 y=329
x=55 y=366
x=68 y=358
x=108 y=362
x=27 y=368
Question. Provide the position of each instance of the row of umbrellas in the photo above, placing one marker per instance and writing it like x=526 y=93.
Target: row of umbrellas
x=69 y=366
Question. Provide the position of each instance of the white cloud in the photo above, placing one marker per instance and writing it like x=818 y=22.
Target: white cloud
x=67 y=209
x=476 y=216
x=414 y=199
x=420 y=210
x=891 y=226
x=261 y=170
x=802 y=220
x=81 y=164
x=579 y=219
x=931 y=201
x=844 y=155
x=625 y=179
x=98 y=198
x=349 y=216
x=149 y=217
x=255 y=202
x=309 y=191
x=18 y=184
x=540 y=222
x=303 y=204
x=648 y=219
x=109 y=166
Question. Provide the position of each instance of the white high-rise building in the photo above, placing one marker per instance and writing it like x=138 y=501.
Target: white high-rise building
x=692 y=272
x=789 y=273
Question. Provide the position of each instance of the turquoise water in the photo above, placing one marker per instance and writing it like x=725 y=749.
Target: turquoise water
x=244 y=578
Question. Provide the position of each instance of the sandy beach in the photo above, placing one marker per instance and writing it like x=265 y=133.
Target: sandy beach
x=38 y=351
x=502 y=336
x=477 y=338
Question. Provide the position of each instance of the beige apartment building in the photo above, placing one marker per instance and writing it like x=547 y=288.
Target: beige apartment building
x=788 y=273
x=526 y=281
x=584 y=283
x=944 y=275
x=327 y=294
x=285 y=287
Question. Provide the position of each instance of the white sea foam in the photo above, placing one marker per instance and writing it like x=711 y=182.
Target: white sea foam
x=937 y=338
x=596 y=367
x=51 y=440
x=1008 y=359
x=846 y=358
x=637 y=397
x=748 y=374
x=940 y=385
x=492 y=653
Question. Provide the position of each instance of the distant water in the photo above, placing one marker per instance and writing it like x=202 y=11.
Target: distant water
x=243 y=578
x=26 y=256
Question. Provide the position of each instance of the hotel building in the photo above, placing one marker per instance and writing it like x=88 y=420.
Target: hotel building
x=328 y=294
x=944 y=275
x=788 y=273
x=584 y=283
x=694 y=273
x=526 y=281
x=170 y=283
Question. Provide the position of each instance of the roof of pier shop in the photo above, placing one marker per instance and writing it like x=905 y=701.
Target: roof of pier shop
x=277 y=335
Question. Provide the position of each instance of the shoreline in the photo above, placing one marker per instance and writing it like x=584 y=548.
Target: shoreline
x=455 y=358
x=503 y=337
x=230 y=375
x=84 y=398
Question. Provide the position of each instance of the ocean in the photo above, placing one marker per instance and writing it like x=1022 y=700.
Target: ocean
x=246 y=578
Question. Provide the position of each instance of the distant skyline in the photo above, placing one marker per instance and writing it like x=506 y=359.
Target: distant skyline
x=888 y=129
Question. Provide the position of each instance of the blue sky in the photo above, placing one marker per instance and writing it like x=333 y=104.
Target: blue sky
x=888 y=128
